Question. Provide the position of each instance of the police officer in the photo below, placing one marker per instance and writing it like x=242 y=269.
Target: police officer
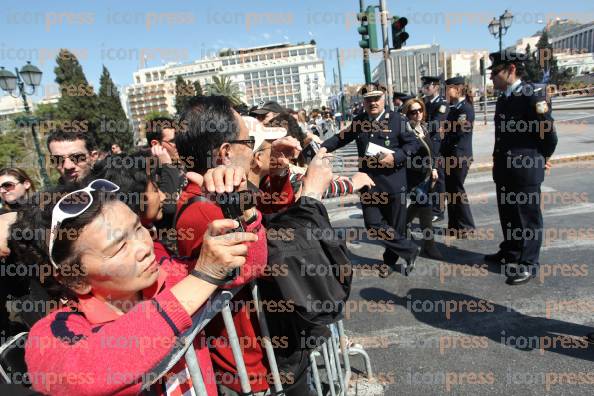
x=399 y=99
x=456 y=148
x=437 y=111
x=525 y=139
x=383 y=145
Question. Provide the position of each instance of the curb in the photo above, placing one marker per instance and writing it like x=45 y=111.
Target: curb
x=487 y=166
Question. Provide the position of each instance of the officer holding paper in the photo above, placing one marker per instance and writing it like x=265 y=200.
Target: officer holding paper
x=383 y=145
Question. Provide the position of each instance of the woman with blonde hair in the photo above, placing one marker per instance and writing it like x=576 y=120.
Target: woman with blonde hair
x=421 y=175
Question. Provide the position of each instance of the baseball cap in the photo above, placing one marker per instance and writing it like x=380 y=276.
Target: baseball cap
x=261 y=132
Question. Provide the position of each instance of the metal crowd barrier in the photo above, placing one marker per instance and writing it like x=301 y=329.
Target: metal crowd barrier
x=338 y=373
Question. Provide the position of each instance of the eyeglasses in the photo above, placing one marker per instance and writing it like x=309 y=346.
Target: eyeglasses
x=74 y=204
x=251 y=142
x=8 y=186
x=415 y=111
x=58 y=160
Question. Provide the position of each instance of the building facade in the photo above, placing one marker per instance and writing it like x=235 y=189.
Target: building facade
x=579 y=39
x=292 y=75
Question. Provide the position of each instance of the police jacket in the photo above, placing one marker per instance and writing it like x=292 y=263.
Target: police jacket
x=524 y=136
x=457 y=141
x=437 y=113
x=388 y=131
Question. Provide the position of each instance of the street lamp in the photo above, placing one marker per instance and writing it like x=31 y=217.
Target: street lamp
x=498 y=27
x=16 y=85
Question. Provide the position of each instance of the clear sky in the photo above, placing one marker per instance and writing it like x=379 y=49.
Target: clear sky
x=122 y=34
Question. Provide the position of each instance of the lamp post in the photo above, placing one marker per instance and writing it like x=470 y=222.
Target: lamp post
x=498 y=27
x=28 y=76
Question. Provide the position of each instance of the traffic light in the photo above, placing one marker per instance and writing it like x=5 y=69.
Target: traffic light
x=368 y=28
x=482 y=66
x=399 y=36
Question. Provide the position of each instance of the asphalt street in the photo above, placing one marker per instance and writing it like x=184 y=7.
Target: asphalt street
x=455 y=327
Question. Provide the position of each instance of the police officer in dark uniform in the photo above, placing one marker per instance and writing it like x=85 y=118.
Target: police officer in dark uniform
x=383 y=145
x=456 y=148
x=437 y=111
x=525 y=139
x=399 y=99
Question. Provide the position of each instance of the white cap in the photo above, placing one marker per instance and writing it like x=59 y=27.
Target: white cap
x=262 y=133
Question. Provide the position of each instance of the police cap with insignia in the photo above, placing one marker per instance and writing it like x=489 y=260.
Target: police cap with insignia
x=372 y=90
x=455 y=81
x=505 y=58
x=430 y=80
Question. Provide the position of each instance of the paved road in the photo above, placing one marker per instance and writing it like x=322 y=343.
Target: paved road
x=490 y=338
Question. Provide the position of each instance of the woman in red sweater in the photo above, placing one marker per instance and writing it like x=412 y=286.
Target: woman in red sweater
x=126 y=309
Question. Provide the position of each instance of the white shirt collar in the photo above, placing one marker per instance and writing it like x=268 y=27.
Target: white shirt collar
x=511 y=89
x=379 y=116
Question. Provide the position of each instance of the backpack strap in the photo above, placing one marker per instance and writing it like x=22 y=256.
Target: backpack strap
x=188 y=203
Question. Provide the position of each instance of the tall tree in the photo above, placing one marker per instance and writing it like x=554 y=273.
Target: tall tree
x=532 y=70
x=225 y=87
x=183 y=93
x=548 y=62
x=198 y=88
x=78 y=101
x=114 y=125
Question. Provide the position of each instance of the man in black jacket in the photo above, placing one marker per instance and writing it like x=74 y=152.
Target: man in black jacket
x=383 y=145
x=525 y=139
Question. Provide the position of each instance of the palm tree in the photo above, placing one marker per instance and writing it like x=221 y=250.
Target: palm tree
x=225 y=87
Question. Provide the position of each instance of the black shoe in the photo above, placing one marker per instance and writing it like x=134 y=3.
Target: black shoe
x=385 y=270
x=519 y=279
x=437 y=218
x=410 y=262
x=589 y=338
x=500 y=258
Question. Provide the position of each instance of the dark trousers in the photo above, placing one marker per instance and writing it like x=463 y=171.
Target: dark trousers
x=438 y=192
x=459 y=214
x=521 y=222
x=390 y=217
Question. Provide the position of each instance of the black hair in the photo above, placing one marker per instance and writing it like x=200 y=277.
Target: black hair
x=63 y=136
x=131 y=172
x=154 y=128
x=242 y=109
x=209 y=121
x=287 y=121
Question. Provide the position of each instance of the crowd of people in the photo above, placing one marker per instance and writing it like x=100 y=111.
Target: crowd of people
x=117 y=257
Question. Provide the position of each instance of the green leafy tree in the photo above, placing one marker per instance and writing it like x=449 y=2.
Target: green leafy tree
x=548 y=62
x=533 y=73
x=114 y=125
x=183 y=93
x=225 y=87
x=198 y=88
x=77 y=107
x=156 y=114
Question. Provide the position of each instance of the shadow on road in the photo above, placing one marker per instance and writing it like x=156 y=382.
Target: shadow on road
x=474 y=316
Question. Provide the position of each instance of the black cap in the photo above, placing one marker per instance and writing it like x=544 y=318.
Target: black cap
x=399 y=95
x=268 y=107
x=430 y=79
x=455 y=81
x=506 y=58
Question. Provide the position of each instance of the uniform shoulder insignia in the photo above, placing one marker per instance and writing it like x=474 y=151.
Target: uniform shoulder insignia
x=442 y=109
x=542 y=107
x=462 y=117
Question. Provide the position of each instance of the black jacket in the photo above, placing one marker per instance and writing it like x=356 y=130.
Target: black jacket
x=458 y=131
x=388 y=131
x=524 y=136
x=310 y=274
x=437 y=113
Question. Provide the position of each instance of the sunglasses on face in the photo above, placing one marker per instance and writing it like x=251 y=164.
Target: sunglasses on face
x=8 y=186
x=251 y=142
x=58 y=160
x=74 y=204
x=415 y=111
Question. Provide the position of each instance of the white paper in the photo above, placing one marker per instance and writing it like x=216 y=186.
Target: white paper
x=374 y=149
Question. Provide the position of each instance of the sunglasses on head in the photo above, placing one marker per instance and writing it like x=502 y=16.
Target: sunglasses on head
x=58 y=160
x=8 y=186
x=74 y=204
